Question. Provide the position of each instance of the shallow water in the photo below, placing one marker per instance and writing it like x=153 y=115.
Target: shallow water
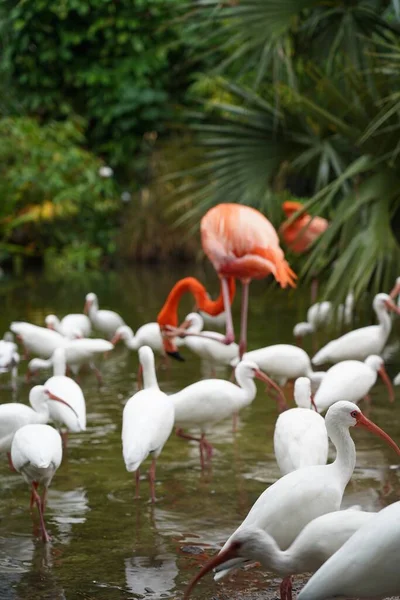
x=104 y=544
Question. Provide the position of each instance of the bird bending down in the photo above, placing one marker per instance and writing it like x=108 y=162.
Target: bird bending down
x=241 y=243
x=9 y=357
x=300 y=437
x=284 y=362
x=105 y=321
x=36 y=453
x=361 y=343
x=36 y=340
x=71 y=326
x=317 y=542
x=366 y=566
x=167 y=318
x=210 y=401
x=351 y=380
x=286 y=507
x=147 y=422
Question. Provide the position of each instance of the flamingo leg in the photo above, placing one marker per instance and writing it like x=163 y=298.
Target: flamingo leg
x=243 y=318
x=229 y=333
x=137 y=484
x=286 y=588
x=152 y=479
x=36 y=498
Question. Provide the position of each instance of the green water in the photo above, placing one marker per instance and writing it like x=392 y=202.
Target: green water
x=104 y=544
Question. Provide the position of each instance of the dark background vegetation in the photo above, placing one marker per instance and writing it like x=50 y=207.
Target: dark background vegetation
x=190 y=104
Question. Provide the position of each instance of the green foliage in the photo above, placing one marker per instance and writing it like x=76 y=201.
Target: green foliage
x=308 y=105
x=114 y=63
x=52 y=193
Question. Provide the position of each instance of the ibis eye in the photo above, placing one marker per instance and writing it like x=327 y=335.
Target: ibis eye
x=354 y=414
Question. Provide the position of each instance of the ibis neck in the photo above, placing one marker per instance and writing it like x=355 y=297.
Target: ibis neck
x=59 y=363
x=385 y=322
x=345 y=451
x=130 y=340
x=247 y=386
x=40 y=406
x=149 y=374
x=169 y=312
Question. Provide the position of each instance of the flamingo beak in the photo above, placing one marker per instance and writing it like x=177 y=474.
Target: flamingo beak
x=225 y=555
x=171 y=349
x=391 y=306
x=263 y=377
x=386 y=380
x=362 y=421
x=116 y=339
x=57 y=399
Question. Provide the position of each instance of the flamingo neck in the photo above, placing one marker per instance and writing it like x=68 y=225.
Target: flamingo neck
x=345 y=451
x=168 y=315
x=149 y=373
x=247 y=386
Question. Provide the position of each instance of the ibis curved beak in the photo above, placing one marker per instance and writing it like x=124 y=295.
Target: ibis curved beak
x=386 y=380
x=263 y=377
x=230 y=552
x=395 y=291
x=313 y=403
x=86 y=307
x=391 y=306
x=116 y=339
x=362 y=421
x=57 y=399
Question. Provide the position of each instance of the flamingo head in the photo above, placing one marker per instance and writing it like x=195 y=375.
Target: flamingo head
x=168 y=334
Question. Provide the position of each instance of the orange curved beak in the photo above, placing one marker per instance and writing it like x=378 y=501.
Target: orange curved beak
x=263 y=377
x=57 y=399
x=219 y=559
x=362 y=421
x=385 y=378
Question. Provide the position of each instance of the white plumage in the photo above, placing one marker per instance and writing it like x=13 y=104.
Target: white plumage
x=36 y=453
x=39 y=341
x=66 y=403
x=105 y=321
x=361 y=343
x=213 y=351
x=9 y=357
x=70 y=326
x=147 y=422
x=366 y=566
x=300 y=437
x=283 y=362
x=350 y=380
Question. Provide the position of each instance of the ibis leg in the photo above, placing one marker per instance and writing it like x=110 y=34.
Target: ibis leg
x=36 y=497
x=152 y=479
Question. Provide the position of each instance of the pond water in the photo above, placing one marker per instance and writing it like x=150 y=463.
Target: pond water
x=106 y=545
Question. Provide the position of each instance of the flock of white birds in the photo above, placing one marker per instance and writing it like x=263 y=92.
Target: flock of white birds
x=296 y=525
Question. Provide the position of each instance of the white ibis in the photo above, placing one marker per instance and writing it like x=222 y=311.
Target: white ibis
x=217 y=321
x=70 y=326
x=75 y=354
x=286 y=507
x=321 y=314
x=148 y=334
x=351 y=380
x=105 y=321
x=366 y=566
x=36 y=340
x=284 y=362
x=300 y=437
x=36 y=453
x=9 y=357
x=210 y=401
x=209 y=348
x=361 y=343
x=147 y=422
x=317 y=542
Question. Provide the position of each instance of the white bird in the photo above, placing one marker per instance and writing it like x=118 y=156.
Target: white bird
x=147 y=422
x=396 y=380
x=218 y=321
x=210 y=350
x=75 y=354
x=286 y=507
x=70 y=326
x=361 y=343
x=36 y=453
x=300 y=437
x=148 y=334
x=283 y=362
x=105 y=321
x=317 y=542
x=366 y=566
x=9 y=357
x=351 y=380
x=207 y=402
x=321 y=314
x=36 y=340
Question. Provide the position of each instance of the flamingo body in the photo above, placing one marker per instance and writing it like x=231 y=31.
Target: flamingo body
x=372 y=552
x=300 y=437
x=301 y=233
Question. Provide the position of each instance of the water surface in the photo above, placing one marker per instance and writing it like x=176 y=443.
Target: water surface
x=106 y=545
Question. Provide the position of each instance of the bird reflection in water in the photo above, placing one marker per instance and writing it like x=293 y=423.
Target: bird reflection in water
x=151 y=576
